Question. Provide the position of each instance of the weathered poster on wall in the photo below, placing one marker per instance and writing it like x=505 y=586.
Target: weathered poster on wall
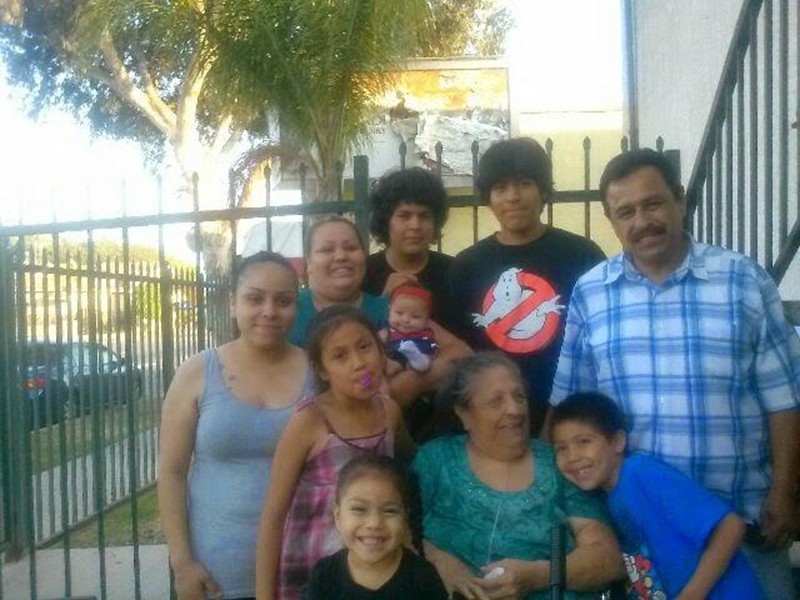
x=451 y=105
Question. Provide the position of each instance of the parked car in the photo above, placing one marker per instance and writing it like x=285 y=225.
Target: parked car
x=62 y=378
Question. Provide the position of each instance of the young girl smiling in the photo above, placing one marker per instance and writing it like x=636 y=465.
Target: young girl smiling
x=372 y=517
x=348 y=418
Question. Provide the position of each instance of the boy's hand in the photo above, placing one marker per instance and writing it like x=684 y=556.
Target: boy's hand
x=393 y=368
x=396 y=279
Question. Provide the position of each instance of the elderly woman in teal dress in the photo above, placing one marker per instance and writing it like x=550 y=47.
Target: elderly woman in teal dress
x=491 y=496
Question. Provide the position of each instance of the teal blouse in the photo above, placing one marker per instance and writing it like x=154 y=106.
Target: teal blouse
x=479 y=525
x=376 y=308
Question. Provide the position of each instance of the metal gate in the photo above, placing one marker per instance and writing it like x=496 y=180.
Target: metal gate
x=88 y=345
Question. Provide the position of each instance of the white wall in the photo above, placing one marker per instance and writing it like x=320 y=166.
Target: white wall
x=680 y=48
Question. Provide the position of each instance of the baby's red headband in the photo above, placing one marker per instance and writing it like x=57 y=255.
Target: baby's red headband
x=412 y=289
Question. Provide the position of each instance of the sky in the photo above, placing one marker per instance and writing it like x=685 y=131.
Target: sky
x=562 y=55
x=566 y=54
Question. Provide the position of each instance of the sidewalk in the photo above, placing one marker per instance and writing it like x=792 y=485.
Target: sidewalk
x=119 y=574
x=85 y=564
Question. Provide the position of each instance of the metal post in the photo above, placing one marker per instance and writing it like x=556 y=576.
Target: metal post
x=95 y=393
x=548 y=147
x=131 y=403
x=13 y=528
x=199 y=300
x=768 y=130
x=558 y=561
x=587 y=182
x=630 y=73
x=303 y=171
x=20 y=419
x=62 y=419
x=339 y=167
x=740 y=164
x=361 y=193
x=475 y=148
x=753 y=133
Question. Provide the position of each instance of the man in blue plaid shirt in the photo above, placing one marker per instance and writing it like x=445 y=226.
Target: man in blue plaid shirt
x=692 y=342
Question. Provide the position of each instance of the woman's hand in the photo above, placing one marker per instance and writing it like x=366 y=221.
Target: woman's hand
x=456 y=576
x=408 y=384
x=194 y=582
x=470 y=588
x=519 y=577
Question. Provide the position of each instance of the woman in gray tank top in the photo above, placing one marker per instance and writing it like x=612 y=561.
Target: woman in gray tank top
x=221 y=420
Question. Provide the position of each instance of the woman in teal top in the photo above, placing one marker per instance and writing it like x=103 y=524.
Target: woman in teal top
x=491 y=497
x=335 y=263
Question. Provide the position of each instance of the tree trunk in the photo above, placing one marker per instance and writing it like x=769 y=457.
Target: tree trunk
x=11 y=12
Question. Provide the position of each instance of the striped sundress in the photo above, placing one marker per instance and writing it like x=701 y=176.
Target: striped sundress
x=309 y=533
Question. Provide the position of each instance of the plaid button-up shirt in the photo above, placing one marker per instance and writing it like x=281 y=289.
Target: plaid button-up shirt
x=697 y=363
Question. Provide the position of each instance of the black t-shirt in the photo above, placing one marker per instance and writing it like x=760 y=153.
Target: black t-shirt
x=415 y=579
x=433 y=277
x=514 y=299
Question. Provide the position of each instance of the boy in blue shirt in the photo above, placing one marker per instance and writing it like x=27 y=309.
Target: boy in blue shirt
x=678 y=539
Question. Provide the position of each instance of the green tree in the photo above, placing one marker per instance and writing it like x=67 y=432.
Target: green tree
x=466 y=27
x=329 y=61
x=11 y=11
x=198 y=76
x=324 y=64
x=203 y=77
x=132 y=69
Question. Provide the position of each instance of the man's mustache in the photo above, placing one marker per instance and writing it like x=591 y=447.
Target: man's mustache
x=652 y=229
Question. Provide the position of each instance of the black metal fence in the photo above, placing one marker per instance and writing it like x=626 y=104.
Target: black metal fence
x=744 y=191
x=88 y=345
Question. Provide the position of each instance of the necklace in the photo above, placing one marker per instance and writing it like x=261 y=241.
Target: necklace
x=497 y=516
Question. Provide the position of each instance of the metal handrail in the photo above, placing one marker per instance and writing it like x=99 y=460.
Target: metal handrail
x=736 y=52
x=738 y=193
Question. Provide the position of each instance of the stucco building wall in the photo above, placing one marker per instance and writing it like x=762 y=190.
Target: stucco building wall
x=679 y=49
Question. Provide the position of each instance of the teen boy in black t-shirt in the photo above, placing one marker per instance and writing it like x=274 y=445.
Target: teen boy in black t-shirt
x=510 y=291
x=408 y=210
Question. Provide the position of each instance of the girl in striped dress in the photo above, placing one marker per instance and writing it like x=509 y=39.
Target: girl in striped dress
x=348 y=417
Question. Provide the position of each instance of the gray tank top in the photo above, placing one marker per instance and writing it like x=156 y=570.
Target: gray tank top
x=233 y=451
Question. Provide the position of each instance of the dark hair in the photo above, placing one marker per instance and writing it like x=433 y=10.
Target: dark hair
x=365 y=464
x=312 y=230
x=456 y=390
x=626 y=163
x=399 y=476
x=242 y=264
x=326 y=322
x=592 y=408
x=412 y=186
x=515 y=159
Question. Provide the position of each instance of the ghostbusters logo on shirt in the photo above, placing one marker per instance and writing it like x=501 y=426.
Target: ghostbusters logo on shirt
x=521 y=312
